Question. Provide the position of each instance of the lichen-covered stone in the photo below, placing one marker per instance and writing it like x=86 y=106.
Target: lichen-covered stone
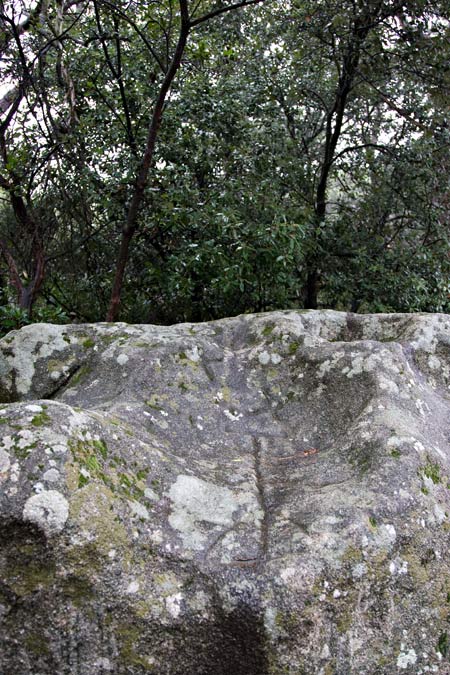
x=264 y=495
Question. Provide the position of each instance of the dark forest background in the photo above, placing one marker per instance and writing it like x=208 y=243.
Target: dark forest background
x=175 y=160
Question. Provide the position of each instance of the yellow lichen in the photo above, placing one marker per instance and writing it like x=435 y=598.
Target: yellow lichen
x=92 y=507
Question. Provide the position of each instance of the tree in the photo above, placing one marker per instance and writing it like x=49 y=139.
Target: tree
x=187 y=20
x=301 y=161
x=354 y=90
x=41 y=39
x=32 y=51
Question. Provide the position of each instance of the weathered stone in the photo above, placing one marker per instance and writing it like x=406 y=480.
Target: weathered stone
x=265 y=495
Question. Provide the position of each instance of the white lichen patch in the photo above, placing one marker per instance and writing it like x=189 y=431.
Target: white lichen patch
x=406 y=658
x=398 y=567
x=365 y=364
x=200 y=603
x=25 y=438
x=59 y=448
x=5 y=462
x=162 y=424
x=387 y=385
x=359 y=570
x=329 y=364
x=288 y=573
x=193 y=354
x=138 y=510
x=7 y=442
x=156 y=536
x=132 y=588
x=439 y=514
x=426 y=338
x=14 y=473
x=264 y=358
x=397 y=442
x=34 y=408
x=233 y=416
x=52 y=476
x=77 y=421
x=419 y=447
x=385 y=536
x=49 y=510
x=31 y=343
x=325 y=653
x=151 y=494
x=434 y=363
x=173 y=604
x=270 y=622
x=122 y=359
x=195 y=501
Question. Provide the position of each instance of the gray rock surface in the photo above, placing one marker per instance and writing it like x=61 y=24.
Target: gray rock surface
x=268 y=494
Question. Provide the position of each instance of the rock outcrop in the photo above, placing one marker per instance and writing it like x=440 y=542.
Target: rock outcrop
x=264 y=495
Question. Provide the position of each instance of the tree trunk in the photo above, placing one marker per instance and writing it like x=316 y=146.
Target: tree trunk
x=142 y=178
x=334 y=121
x=312 y=289
x=122 y=259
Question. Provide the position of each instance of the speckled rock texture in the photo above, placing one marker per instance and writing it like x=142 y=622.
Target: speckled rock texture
x=263 y=495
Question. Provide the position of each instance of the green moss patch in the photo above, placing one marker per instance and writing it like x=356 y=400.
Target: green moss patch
x=88 y=343
x=431 y=470
x=41 y=419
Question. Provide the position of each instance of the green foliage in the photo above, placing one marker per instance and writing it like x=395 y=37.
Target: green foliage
x=12 y=318
x=238 y=268
x=230 y=221
x=443 y=644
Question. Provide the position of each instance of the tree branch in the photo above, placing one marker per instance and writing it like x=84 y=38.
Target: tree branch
x=222 y=10
x=353 y=148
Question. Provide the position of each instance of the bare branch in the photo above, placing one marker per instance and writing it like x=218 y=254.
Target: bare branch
x=394 y=106
x=362 y=146
x=135 y=27
x=21 y=28
x=222 y=10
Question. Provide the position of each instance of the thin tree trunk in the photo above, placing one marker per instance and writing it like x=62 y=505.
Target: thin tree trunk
x=32 y=232
x=334 y=122
x=142 y=178
x=26 y=294
x=311 y=289
x=139 y=189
